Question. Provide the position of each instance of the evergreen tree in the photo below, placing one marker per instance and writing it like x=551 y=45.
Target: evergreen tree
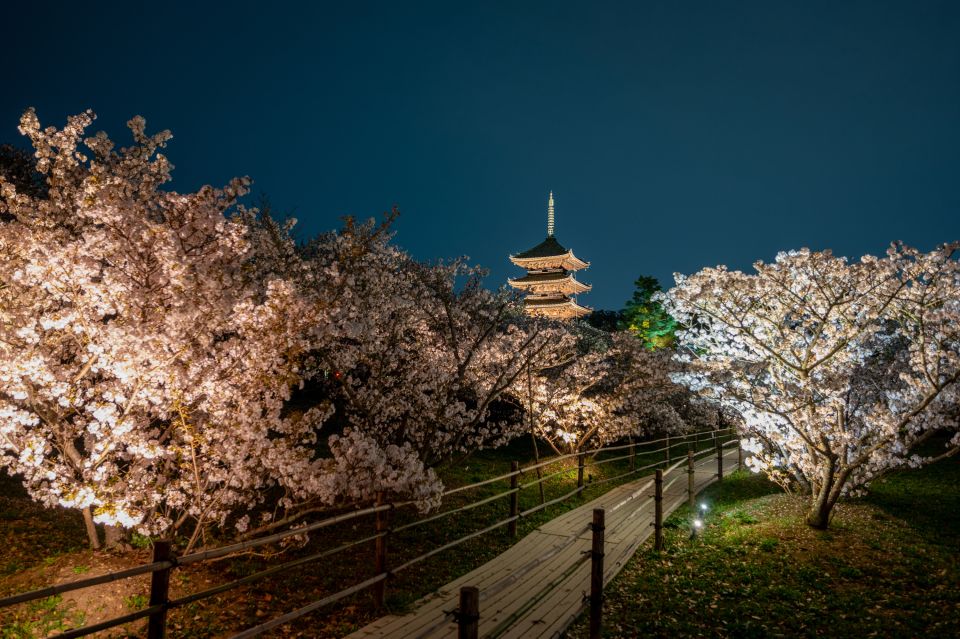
x=645 y=317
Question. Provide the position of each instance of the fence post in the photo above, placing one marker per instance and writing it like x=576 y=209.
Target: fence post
x=668 y=450
x=633 y=456
x=581 y=462
x=658 y=510
x=514 y=497
x=380 y=588
x=468 y=617
x=739 y=454
x=159 y=589
x=596 y=573
x=690 y=472
x=719 y=460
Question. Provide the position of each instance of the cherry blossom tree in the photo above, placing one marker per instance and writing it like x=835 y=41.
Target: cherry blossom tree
x=606 y=387
x=415 y=355
x=144 y=363
x=838 y=369
x=150 y=342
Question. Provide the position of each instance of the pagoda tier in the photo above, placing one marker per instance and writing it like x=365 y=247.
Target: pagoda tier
x=545 y=282
x=549 y=283
x=548 y=254
x=557 y=308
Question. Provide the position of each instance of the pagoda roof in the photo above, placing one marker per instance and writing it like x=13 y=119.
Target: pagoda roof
x=550 y=279
x=554 y=307
x=549 y=254
x=550 y=247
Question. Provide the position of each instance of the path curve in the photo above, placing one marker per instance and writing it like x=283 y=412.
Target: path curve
x=538 y=586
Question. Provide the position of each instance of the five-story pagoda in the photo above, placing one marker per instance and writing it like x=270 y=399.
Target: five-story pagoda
x=549 y=284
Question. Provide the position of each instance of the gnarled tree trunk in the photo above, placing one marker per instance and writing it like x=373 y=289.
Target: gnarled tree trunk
x=92 y=535
x=826 y=494
x=819 y=514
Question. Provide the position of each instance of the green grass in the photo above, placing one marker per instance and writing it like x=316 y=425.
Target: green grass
x=135 y=602
x=42 y=618
x=889 y=566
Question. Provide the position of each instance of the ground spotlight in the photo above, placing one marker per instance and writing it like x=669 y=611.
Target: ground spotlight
x=695 y=527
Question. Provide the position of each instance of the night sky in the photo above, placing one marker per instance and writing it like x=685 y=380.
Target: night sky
x=675 y=135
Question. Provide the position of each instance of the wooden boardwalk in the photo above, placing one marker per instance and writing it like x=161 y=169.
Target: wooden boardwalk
x=539 y=585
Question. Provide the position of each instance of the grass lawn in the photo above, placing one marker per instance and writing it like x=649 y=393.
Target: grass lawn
x=889 y=566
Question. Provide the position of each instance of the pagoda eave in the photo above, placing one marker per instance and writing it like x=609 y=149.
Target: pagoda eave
x=556 y=310
x=567 y=261
x=559 y=285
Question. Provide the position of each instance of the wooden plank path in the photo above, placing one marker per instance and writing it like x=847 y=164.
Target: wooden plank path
x=540 y=584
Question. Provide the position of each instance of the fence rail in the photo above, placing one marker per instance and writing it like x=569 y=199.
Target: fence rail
x=593 y=601
x=164 y=562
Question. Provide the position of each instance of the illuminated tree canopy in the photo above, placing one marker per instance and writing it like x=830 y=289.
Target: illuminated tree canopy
x=150 y=342
x=604 y=387
x=839 y=370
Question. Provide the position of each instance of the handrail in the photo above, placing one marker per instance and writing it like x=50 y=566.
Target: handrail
x=540 y=480
x=558 y=458
x=598 y=482
x=506 y=624
x=629 y=472
x=230 y=585
x=654 y=441
x=299 y=612
x=482 y=483
x=110 y=623
x=700 y=453
x=552 y=460
x=49 y=591
x=573 y=492
x=454 y=543
x=213 y=553
x=262 y=541
x=622 y=457
x=673 y=441
x=469 y=506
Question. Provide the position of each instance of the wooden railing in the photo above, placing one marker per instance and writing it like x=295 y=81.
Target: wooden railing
x=467 y=616
x=164 y=561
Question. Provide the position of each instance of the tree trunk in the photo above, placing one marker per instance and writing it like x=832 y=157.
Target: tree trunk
x=819 y=514
x=821 y=508
x=533 y=435
x=114 y=537
x=91 y=529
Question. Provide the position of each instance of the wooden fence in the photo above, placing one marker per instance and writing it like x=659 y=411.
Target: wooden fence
x=165 y=561
x=467 y=618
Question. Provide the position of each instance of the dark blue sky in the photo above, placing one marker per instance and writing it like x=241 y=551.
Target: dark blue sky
x=675 y=135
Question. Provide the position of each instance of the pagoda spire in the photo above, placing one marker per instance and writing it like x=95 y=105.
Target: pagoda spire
x=550 y=215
